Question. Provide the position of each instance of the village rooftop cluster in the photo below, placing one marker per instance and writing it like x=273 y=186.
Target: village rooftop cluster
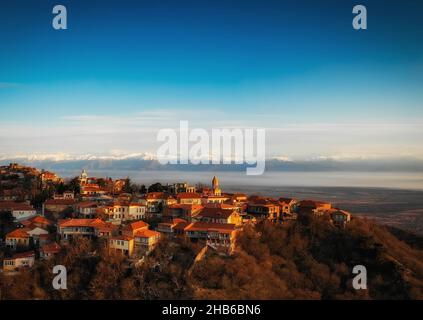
x=46 y=213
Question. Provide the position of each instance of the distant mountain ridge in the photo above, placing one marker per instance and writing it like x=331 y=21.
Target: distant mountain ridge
x=145 y=161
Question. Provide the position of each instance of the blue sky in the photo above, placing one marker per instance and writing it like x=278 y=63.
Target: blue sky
x=297 y=68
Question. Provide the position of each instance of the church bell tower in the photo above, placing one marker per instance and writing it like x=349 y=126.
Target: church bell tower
x=215 y=187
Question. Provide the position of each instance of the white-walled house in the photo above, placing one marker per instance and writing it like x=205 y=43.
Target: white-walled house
x=19 y=260
x=35 y=234
x=145 y=240
x=87 y=209
x=136 y=211
x=119 y=212
x=19 y=210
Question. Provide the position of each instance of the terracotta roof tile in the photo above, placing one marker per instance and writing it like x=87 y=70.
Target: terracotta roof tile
x=188 y=195
x=19 y=233
x=137 y=225
x=21 y=255
x=147 y=233
x=64 y=202
x=51 y=248
x=96 y=223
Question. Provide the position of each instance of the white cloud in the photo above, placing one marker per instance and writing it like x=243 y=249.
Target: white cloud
x=130 y=135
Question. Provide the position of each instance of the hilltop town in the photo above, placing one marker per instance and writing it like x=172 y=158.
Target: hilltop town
x=122 y=240
x=40 y=212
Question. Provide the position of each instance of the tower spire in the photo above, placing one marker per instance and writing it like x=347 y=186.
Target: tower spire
x=215 y=186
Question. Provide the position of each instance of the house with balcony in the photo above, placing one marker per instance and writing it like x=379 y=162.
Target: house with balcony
x=216 y=235
x=264 y=208
x=131 y=228
x=218 y=215
x=173 y=227
x=183 y=211
x=214 y=199
x=87 y=209
x=92 y=190
x=70 y=228
x=119 y=212
x=156 y=202
x=145 y=240
x=122 y=245
x=136 y=211
x=180 y=187
x=188 y=198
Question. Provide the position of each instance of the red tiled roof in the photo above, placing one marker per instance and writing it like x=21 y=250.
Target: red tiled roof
x=155 y=195
x=96 y=223
x=40 y=219
x=107 y=227
x=188 y=195
x=51 y=248
x=174 y=222
x=216 y=197
x=125 y=238
x=92 y=185
x=147 y=233
x=186 y=206
x=262 y=204
x=223 y=206
x=203 y=226
x=239 y=195
x=120 y=204
x=90 y=189
x=19 y=233
x=216 y=213
x=137 y=225
x=64 y=202
x=21 y=255
x=12 y=205
x=86 y=204
x=36 y=219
